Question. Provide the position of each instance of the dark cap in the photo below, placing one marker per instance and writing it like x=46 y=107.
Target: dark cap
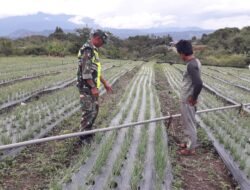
x=102 y=34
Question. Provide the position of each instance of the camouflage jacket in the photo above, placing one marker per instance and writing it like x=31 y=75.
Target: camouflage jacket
x=89 y=67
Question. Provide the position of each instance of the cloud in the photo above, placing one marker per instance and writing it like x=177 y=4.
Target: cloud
x=77 y=20
x=227 y=6
x=136 y=21
x=138 y=13
x=238 y=21
x=85 y=8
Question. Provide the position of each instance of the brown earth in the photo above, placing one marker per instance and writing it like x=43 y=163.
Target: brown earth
x=37 y=165
x=203 y=171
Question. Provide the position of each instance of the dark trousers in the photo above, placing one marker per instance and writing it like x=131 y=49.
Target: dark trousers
x=90 y=108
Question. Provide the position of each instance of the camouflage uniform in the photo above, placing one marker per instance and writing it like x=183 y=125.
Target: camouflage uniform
x=89 y=67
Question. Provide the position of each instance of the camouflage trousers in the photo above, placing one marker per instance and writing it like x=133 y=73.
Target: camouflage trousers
x=90 y=108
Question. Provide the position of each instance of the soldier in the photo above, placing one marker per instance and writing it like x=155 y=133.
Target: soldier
x=89 y=79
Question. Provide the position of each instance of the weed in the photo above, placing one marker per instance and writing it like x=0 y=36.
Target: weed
x=5 y=139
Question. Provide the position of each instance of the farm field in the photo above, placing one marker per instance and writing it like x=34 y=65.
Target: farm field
x=39 y=98
x=51 y=99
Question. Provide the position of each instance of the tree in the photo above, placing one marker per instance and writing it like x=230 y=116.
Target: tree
x=6 y=47
x=55 y=48
x=194 y=39
x=58 y=34
x=245 y=33
x=84 y=34
x=238 y=44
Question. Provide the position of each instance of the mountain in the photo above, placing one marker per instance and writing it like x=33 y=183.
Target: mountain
x=44 y=24
x=40 y=22
x=24 y=33
x=175 y=33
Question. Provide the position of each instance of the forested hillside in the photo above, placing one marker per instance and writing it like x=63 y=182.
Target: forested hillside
x=224 y=47
x=227 y=47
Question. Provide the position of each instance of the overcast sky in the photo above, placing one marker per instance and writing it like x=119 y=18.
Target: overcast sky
x=140 y=14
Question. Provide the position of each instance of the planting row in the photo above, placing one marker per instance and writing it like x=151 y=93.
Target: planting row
x=30 y=64
x=228 y=90
x=13 y=77
x=45 y=117
x=26 y=88
x=243 y=74
x=49 y=161
x=35 y=67
x=227 y=77
x=242 y=77
x=22 y=122
x=18 y=92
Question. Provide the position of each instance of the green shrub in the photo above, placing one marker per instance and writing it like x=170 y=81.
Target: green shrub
x=233 y=60
x=35 y=51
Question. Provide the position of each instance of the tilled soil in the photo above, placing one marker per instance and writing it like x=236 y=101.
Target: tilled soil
x=203 y=171
x=131 y=162
x=88 y=174
x=38 y=164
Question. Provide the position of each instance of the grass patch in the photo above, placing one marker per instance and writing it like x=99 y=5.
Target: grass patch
x=232 y=60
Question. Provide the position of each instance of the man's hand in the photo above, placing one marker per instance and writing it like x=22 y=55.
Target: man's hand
x=95 y=91
x=108 y=87
x=79 y=85
x=191 y=101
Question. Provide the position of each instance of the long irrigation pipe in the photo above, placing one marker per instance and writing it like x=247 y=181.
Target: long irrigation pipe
x=77 y=134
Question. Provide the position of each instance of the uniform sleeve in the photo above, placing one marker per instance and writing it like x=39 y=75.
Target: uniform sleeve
x=79 y=72
x=194 y=72
x=85 y=63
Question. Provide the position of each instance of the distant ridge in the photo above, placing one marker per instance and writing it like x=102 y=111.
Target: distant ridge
x=176 y=33
x=24 y=33
x=44 y=24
